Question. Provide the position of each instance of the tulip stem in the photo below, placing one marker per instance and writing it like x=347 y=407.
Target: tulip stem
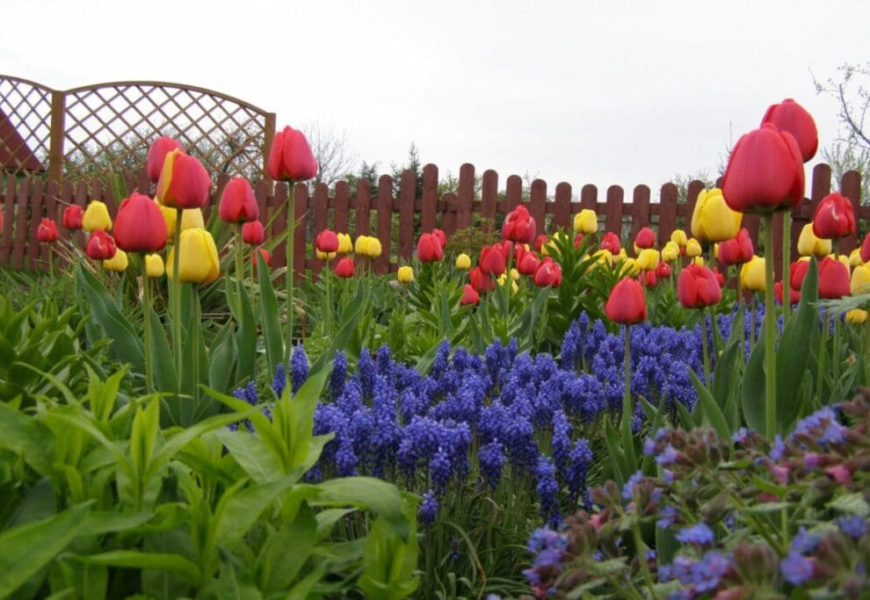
x=288 y=276
x=823 y=351
x=740 y=310
x=327 y=317
x=146 y=308
x=770 y=329
x=176 y=308
x=705 y=348
x=627 y=411
x=240 y=268
x=786 y=264
x=752 y=312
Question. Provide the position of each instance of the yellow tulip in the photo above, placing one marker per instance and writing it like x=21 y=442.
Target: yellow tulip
x=374 y=247
x=199 y=262
x=860 y=280
x=345 y=244
x=154 y=265
x=621 y=257
x=752 y=275
x=678 y=236
x=713 y=220
x=845 y=260
x=463 y=261
x=550 y=246
x=855 y=258
x=96 y=217
x=698 y=260
x=629 y=267
x=405 y=274
x=693 y=248
x=856 y=316
x=191 y=218
x=810 y=245
x=324 y=255
x=648 y=259
x=502 y=280
x=716 y=251
x=118 y=262
x=603 y=257
x=586 y=222
x=515 y=275
x=671 y=252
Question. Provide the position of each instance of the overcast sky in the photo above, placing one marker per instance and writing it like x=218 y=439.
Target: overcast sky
x=585 y=92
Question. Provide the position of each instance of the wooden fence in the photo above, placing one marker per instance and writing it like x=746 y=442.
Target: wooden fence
x=26 y=202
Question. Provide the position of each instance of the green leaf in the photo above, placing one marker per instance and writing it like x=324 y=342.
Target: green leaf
x=237 y=512
x=25 y=550
x=726 y=372
x=854 y=504
x=252 y=455
x=279 y=568
x=425 y=362
x=753 y=386
x=351 y=316
x=221 y=358
x=712 y=412
x=621 y=472
x=132 y=559
x=388 y=564
x=246 y=339
x=272 y=334
x=100 y=523
x=161 y=356
x=28 y=437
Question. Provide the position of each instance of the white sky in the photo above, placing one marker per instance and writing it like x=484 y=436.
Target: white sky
x=584 y=91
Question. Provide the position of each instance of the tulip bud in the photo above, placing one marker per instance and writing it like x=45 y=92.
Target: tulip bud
x=737 y=250
x=860 y=282
x=96 y=217
x=469 y=296
x=663 y=271
x=429 y=248
x=480 y=281
x=856 y=316
x=610 y=242
x=629 y=267
x=154 y=266
x=405 y=274
x=326 y=242
x=157 y=155
x=46 y=231
x=442 y=237
x=100 y=246
x=291 y=158
x=72 y=217
x=797 y=271
x=793 y=118
x=648 y=259
x=344 y=268
x=252 y=233
x=698 y=260
x=463 y=261
x=698 y=287
x=184 y=182
x=810 y=245
x=586 y=222
x=118 y=262
x=670 y=252
x=492 y=261
x=833 y=279
x=140 y=226
x=519 y=226
x=752 y=275
x=834 y=217
x=324 y=255
x=693 y=248
x=626 y=304
x=199 y=261
x=645 y=239
x=548 y=274
x=855 y=258
x=237 y=203
x=373 y=248
x=345 y=245
x=678 y=236
x=865 y=249
x=713 y=220
x=267 y=258
x=794 y=296
x=528 y=263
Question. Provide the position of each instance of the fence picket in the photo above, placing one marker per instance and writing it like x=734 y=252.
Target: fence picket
x=639 y=210
x=538 y=202
x=342 y=200
x=488 y=200
x=465 y=196
x=385 y=223
x=613 y=210
x=850 y=187
x=667 y=212
x=363 y=204
x=429 y=201
x=562 y=208
x=407 y=191
x=37 y=254
x=513 y=194
x=22 y=231
x=299 y=242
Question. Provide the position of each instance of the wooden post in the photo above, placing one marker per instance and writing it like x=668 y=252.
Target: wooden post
x=22 y=231
x=429 y=202
x=538 y=203
x=562 y=208
x=639 y=210
x=57 y=135
x=385 y=221
x=406 y=214
x=489 y=200
x=466 y=196
x=613 y=211
x=342 y=203
x=850 y=187
x=667 y=213
x=268 y=138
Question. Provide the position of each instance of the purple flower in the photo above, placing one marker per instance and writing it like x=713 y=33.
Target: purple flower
x=667 y=516
x=428 y=508
x=796 y=569
x=491 y=458
x=854 y=527
x=628 y=490
x=707 y=572
x=741 y=435
x=699 y=534
x=778 y=450
x=668 y=456
x=279 y=382
x=804 y=542
x=440 y=470
x=338 y=375
x=298 y=368
x=547 y=489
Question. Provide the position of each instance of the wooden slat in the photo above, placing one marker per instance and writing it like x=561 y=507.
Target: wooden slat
x=406 y=215
x=385 y=222
x=821 y=186
x=342 y=197
x=465 y=196
x=752 y=223
x=302 y=204
x=639 y=209
x=692 y=190
x=850 y=187
x=261 y=193
x=429 y=201
x=513 y=194
x=143 y=184
x=363 y=204
x=488 y=200
x=589 y=198
x=448 y=217
x=37 y=257
x=8 y=215
x=667 y=212
x=613 y=211
x=562 y=207
x=538 y=203
x=22 y=231
x=278 y=215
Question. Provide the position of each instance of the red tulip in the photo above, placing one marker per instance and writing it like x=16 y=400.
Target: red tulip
x=792 y=117
x=794 y=297
x=238 y=204
x=720 y=278
x=469 y=295
x=157 y=155
x=645 y=238
x=506 y=247
x=184 y=182
x=140 y=226
x=648 y=278
x=327 y=241
x=101 y=246
x=610 y=241
x=549 y=273
x=737 y=250
x=492 y=261
x=541 y=240
x=663 y=270
x=796 y=272
x=528 y=263
x=46 y=231
x=480 y=281
x=626 y=304
x=833 y=279
x=429 y=248
x=697 y=287
x=344 y=267
x=578 y=239
x=253 y=233
x=834 y=218
x=267 y=258
x=765 y=172
x=291 y=158
x=519 y=226
x=442 y=237
x=72 y=216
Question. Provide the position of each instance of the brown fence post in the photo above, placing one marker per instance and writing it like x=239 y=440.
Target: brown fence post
x=268 y=138
x=8 y=208
x=639 y=209
x=406 y=215
x=57 y=135
x=562 y=208
x=850 y=187
x=22 y=231
x=321 y=205
x=589 y=198
x=613 y=210
x=301 y=238
x=466 y=196
x=488 y=200
x=429 y=202
x=513 y=194
x=667 y=212
x=37 y=256
x=342 y=204
x=385 y=222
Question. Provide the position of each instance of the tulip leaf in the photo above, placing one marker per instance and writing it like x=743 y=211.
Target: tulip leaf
x=221 y=359
x=726 y=372
x=239 y=509
x=353 y=312
x=246 y=339
x=133 y=559
x=28 y=437
x=272 y=334
x=277 y=567
x=252 y=455
x=712 y=412
x=621 y=471
x=753 y=386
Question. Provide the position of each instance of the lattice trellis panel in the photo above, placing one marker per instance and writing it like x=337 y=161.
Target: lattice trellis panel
x=112 y=126
x=25 y=126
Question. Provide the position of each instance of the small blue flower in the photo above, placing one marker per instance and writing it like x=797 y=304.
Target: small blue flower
x=854 y=527
x=428 y=508
x=628 y=490
x=668 y=456
x=667 y=516
x=796 y=569
x=804 y=542
x=778 y=450
x=298 y=368
x=699 y=534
